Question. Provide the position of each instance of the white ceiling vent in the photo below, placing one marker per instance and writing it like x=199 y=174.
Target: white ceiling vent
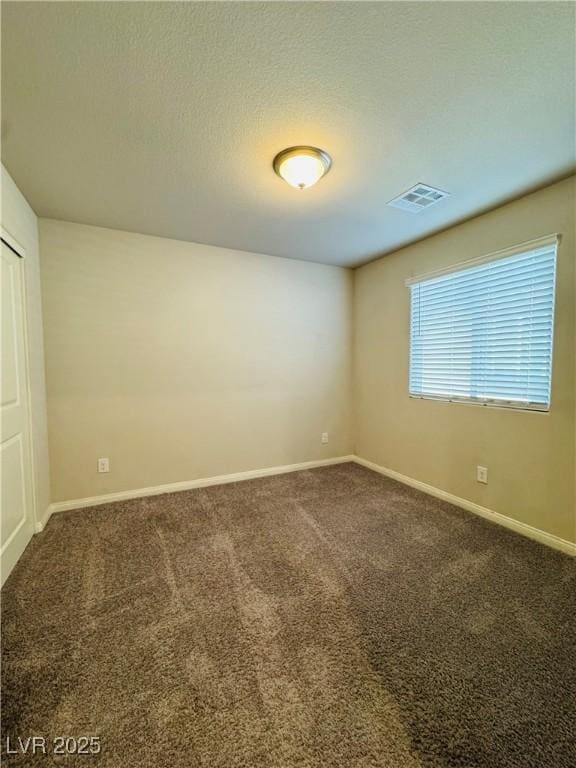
x=418 y=198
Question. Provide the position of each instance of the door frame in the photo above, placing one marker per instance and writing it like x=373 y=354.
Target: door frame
x=20 y=251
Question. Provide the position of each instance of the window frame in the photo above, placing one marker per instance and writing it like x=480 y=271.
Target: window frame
x=552 y=240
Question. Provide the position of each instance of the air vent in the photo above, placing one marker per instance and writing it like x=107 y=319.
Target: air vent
x=418 y=198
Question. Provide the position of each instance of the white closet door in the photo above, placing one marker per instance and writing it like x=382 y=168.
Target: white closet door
x=16 y=517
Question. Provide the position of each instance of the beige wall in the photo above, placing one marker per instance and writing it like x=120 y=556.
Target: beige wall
x=530 y=456
x=21 y=223
x=181 y=361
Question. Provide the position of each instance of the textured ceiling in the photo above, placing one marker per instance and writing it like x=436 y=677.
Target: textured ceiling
x=163 y=118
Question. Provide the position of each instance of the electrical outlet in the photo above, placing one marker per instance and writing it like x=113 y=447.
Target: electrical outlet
x=324 y=438
x=482 y=475
x=103 y=465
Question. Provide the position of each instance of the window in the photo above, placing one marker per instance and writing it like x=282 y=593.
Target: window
x=484 y=333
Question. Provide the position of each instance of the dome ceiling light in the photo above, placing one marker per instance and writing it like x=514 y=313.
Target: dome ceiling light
x=302 y=167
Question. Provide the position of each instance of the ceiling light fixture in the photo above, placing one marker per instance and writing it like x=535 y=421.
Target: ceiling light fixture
x=302 y=167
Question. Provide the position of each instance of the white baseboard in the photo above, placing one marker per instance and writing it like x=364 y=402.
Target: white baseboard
x=186 y=485
x=514 y=525
x=41 y=523
x=526 y=530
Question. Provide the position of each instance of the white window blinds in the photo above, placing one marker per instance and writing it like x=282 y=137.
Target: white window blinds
x=484 y=333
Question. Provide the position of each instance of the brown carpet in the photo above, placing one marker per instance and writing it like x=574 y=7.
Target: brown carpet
x=328 y=618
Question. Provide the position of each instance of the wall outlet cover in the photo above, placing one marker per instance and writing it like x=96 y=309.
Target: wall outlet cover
x=482 y=474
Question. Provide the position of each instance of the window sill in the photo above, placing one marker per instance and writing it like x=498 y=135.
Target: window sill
x=511 y=406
